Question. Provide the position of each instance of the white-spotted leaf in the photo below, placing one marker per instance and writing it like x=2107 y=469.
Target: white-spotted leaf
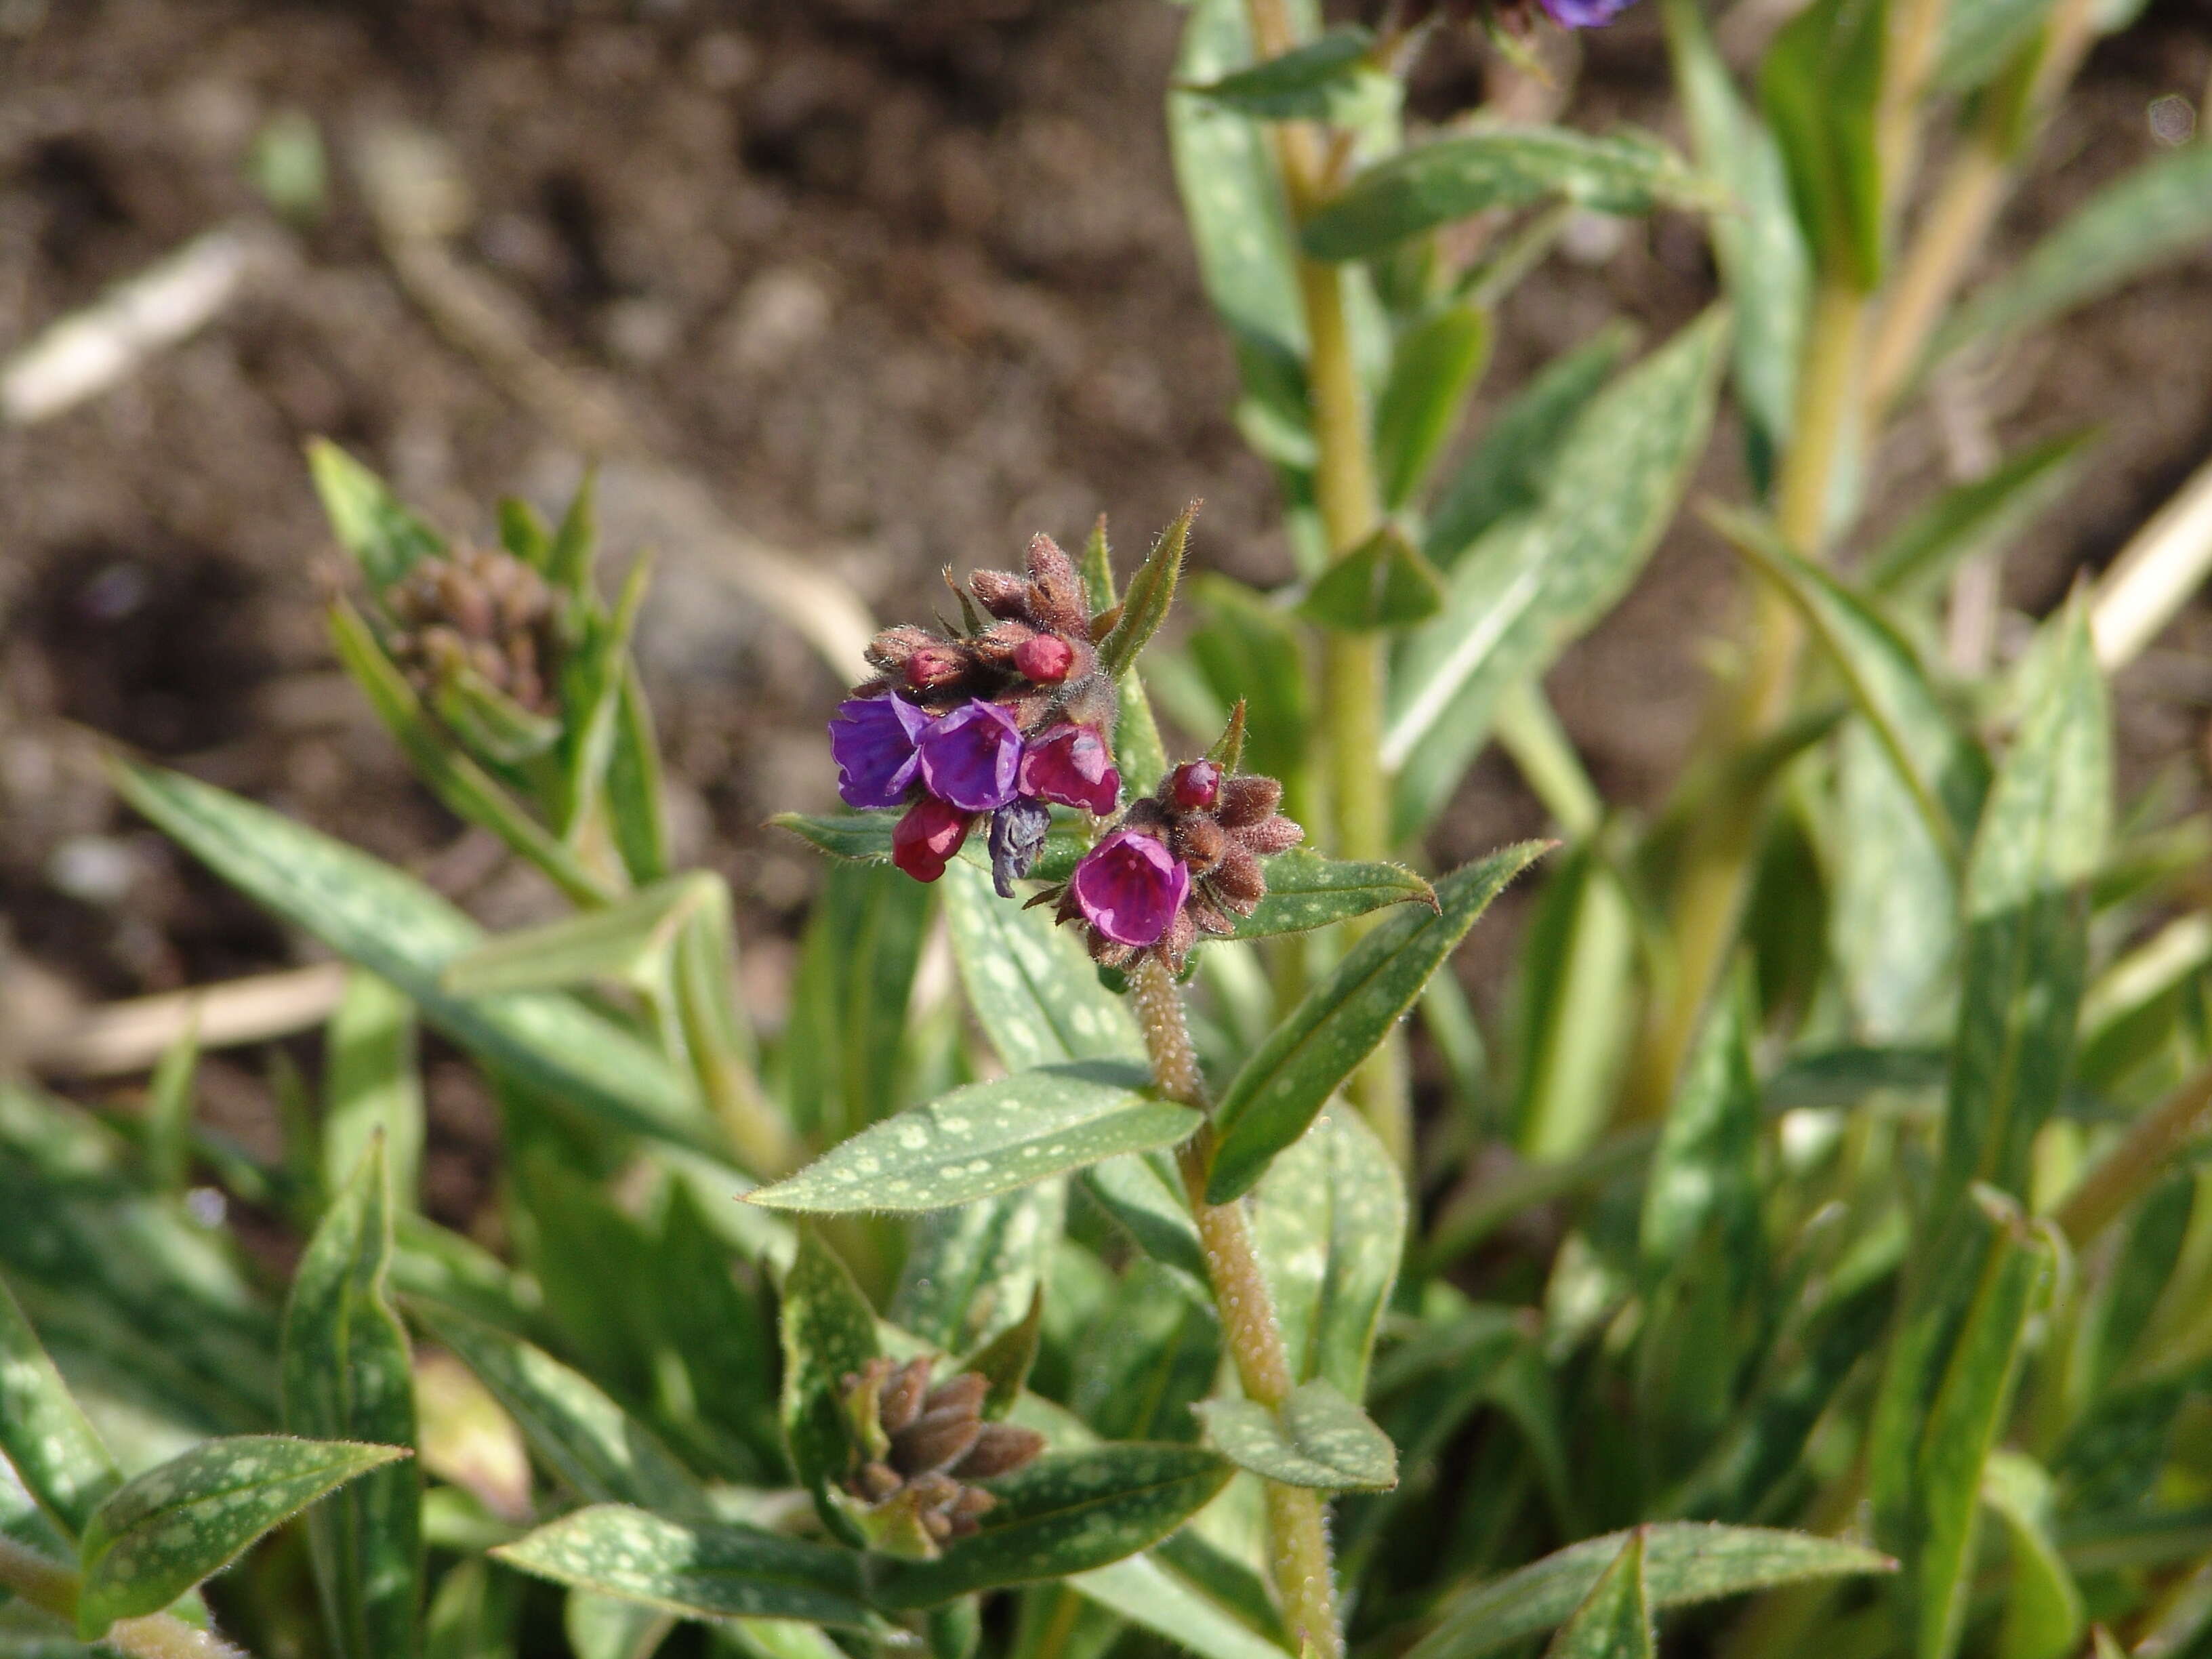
x=1318 y=1438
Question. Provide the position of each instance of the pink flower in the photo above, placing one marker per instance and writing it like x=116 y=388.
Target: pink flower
x=1070 y=764
x=1129 y=888
x=925 y=839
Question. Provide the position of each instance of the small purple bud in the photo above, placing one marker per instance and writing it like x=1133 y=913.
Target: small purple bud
x=873 y=741
x=1130 y=888
x=1584 y=14
x=1018 y=832
x=1070 y=764
x=971 y=757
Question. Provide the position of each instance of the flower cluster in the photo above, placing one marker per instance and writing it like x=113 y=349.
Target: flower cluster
x=1007 y=718
x=1182 y=862
x=918 y=1449
x=481 y=609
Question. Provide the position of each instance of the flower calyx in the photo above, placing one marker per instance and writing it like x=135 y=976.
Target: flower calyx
x=481 y=612
x=916 y=1450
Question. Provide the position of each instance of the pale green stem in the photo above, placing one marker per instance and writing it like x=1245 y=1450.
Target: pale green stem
x=2124 y=1174
x=53 y=1588
x=1297 y=1524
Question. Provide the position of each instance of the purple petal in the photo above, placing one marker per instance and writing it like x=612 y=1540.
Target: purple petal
x=971 y=757
x=1584 y=14
x=873 y=741
x=1070 y=764
x=1130 y=888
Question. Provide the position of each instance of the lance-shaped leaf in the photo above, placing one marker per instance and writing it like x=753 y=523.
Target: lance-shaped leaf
x=2043 y=1616
x=1432 y=368
x=1981 y=38
x=849 y=1000
x=1282 y=1088
x=1144 y=1194
x=1306 y=890
x=1975 y=517
x=1893 y=922
x=1943 y=1401
x=1328 y=1224
x=2041 y=835
x=2160 y=212
x=1578 y=982
x=1147 y=1591
x=1614 y=1620
x=371 y=1086
x=1539 y=578
x=829 y=1333
x=1146 y=601
x=700 y=1570
x=56 y=1451
x=382 y=537
x=1945 y=770
x=344 y=1364
x=985 y=1139
x=576 y=1430
x=1249 y=651
x=1318 y=1438
x=171 y=1095
x=1682 y=1563
x=391 y=924
x=594 y=682
x=1433 y=184
x=629 y=942
x=1148 y=1352
x=1382 y=583
x=1032 y=989
x=1311 y=82
x=1067 y=1512
x=160 y=1534
x=1821 y=83
x=971 y=1271
x=1704 y=1173
x=1005 y=1359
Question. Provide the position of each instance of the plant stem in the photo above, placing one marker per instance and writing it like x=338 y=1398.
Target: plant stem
x=1298 y=1525
x=52 y=1587
x=2125 y=1172
x=1353 y=664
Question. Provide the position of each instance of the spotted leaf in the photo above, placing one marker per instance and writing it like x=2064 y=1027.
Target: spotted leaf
x=1319 y=1438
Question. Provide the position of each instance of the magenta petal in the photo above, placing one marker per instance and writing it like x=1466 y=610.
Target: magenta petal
x=873 y=741
x=1129 y=887
x=1070 y=765
x=971 y=757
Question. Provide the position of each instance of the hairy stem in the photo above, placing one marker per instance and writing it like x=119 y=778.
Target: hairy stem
x=1298 y=1525
x=52 y=1587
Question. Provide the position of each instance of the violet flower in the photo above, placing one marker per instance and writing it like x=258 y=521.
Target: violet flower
x=972 y=756
x=873 y=741
x=1583 y=14
x=1129 y=887
x=1070 y=765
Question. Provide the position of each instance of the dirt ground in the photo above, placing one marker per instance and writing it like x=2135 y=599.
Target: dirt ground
x=899 y=284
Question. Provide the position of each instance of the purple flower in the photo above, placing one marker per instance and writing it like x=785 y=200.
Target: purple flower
x=873 y=741
x=971 y=757
x=1129 y=887
x=1583 y=14
x=1069 y=764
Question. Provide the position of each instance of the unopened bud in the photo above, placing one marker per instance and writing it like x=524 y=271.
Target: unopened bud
x=1044 y=658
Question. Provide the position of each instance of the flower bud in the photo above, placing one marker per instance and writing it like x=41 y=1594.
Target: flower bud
x=1195 y=786
x=933 y=667
x=1070 y=764
x=1044 y=658
x=926 y=838
x=1001 y=1448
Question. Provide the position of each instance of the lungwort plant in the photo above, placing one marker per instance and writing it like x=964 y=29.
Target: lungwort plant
x=1816 y=1256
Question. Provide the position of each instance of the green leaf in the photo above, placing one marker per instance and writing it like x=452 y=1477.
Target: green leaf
x=1704 y=1173
x=1433 y=366
x=633 y=785
x=1614 y=1620
x=985 y=1139
x=1981 y=38
x=1006 y=1359
x=2043 y=1616
x=1682 y=1563
x=1306 y=890
x=1146 y=601
x=389 y=924
x=700 y=1570
x=56 y=1451
x=1144 y=1194
x=849 y=1000
x=1820 y=84
x=1250 y=651
x=2042 y=838
x=383 y=537
x=1031 y=986
x=1893 y=917
x=1282 y=1088
x=465 y=787
x=344 y=1362
x=1139 y=754
x=1066 y=1513
x=1578 y=969
x=629 y=942
x=829 y=1333
x=1328 y=1224
x=971 y=1271
x=156 y=1536
x=489 y=723
x=1319 y=1438
x=603 y=1627
x=1432 y=183
x=523 y=533
x=1311 y=82
x=1975 y=518
x=170 y=1098
x=1382 y=583
x=475 y=1614
x=595 y=676
x=1508 y=471
x=1944 y=769
x=575 y=544
x=1146 y=1357
x=2160 y=212
x=1149 y=1593
x=1942 y=1404
x=1538 y=580
x=371 y=1086
x=1765 y=268
x=576 y=1430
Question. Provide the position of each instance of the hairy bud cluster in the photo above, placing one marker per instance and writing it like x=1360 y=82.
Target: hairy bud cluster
x=920 y=1447
x=480 y=609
